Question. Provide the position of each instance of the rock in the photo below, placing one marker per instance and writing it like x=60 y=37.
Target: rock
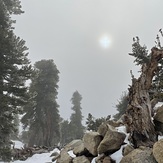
x=73 y=144
x=104 y=159
x=115 y=123
x=139 y=156
x=158 y=151
x=80 y=149
x=102 y=129
x=55 y=156
x=159 y=114
x=64 y=157
x=108 y=159
x=127 y=149
x=81 y=159
x=91 y=142
x=99 y=158
x=111 y=142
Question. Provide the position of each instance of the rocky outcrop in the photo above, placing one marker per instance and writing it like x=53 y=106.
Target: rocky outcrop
x=99 y=146
x=102 y=143
x=158 y=151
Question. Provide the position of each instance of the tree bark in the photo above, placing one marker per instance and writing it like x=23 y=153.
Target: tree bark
x=138 y=118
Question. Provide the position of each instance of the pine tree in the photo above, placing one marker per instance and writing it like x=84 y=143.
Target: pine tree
x=93 y=123
x=90 y=122
x=121 y=106
x=15 y=69
x=41 y=113
x=65 y=130
x=76 y=117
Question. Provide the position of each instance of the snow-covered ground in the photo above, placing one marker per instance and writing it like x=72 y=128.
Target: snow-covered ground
x=45 y=157
x=39 y=158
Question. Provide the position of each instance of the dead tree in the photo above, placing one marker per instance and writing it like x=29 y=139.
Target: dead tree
x=138 y=118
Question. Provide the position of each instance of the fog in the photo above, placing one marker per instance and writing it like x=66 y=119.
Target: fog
x=69 y=32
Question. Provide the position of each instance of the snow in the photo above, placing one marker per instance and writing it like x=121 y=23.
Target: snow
x=71 y=154
x=39 y=158
x=18 y=144
x=160 y=137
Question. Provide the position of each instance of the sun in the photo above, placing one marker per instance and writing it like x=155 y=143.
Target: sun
x=105 y=41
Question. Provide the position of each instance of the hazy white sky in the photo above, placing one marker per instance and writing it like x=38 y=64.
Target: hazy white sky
x=69 y=32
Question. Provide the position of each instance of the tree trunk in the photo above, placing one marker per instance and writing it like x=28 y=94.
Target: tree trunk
x=138 y=118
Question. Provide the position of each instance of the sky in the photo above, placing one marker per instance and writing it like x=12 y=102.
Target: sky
x=71 y=31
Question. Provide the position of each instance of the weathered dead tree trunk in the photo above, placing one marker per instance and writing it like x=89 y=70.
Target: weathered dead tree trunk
x=138 y=118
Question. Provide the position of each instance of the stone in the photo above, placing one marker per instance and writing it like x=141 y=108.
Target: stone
x=73 y=144
x=158 y=151
x=111 y=142
x=159 y=114
x=139 y=156
x=79 y=149
x=81 y=159
x=127 y=149
x=102 y=129
x=99 y=158
x=107 y=159
x=64 y=157
x=91 y=142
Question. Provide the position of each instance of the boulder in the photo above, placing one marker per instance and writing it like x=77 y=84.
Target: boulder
x=159 y=114
x=143 y=155
x=79 y=149
x=111 y=142
x=104 y=159
x=108 y=159
x=102 y=129
x=81 y=159
x=64 y=157
x=73 y=144
x=158 y=151
x=91 y=142
x=99 y=158
x=127 y=149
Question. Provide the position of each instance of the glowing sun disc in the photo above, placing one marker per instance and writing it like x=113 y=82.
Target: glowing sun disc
x=105 y=42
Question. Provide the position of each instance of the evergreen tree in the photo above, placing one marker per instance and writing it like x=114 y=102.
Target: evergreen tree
x=66 y=136
x=121 y=106
x=76 y=117
x=90 y=122
x=15 y=69
x=41 y=113
x=93 y=123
